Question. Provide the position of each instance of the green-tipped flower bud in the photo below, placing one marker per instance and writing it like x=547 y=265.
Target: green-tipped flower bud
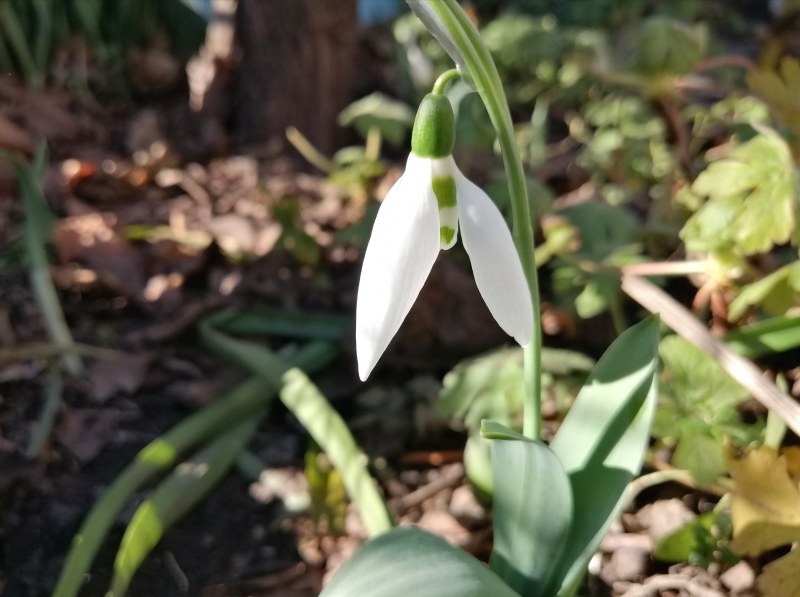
x=434 y=130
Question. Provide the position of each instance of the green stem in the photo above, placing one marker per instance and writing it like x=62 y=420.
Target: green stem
x=444 y=79
x=453 y=29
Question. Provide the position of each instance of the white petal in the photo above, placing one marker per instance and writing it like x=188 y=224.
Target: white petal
x=495 y=261
x=401 y=252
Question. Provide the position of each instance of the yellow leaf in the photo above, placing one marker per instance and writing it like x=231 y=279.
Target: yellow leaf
x=766 y=502
x=792 y=454
x=781 y=578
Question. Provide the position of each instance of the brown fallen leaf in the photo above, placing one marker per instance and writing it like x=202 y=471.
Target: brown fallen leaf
x=84 y=432
x=92 y=241
x=124 y=374
x=15 y=137
x=765 y=510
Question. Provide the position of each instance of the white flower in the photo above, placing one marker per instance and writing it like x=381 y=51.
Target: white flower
x=421 y=214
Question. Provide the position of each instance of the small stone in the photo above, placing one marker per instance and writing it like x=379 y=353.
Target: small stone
x=465 y=507
x=663 y=517
x=625 y=564
x=739 y=578
x=445 y=525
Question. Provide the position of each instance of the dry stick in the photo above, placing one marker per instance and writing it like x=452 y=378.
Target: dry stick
x=680 y=319
x=655 y=584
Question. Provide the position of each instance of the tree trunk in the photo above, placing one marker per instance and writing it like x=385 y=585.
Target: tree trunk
x=296 y=69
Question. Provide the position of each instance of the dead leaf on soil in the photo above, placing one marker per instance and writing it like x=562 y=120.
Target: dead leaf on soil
x=14 y=137
x=85 y=432
x=781 y=578
x=124 y=374
x=92 y=241
x=766 y=514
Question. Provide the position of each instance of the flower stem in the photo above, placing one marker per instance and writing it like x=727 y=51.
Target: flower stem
x=452 y=28
x=441 y=83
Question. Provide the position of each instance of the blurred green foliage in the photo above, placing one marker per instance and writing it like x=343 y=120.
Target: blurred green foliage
x=33 y=32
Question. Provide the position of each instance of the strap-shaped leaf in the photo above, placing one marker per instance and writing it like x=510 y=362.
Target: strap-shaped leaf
x=601 y=443
x=409 y=562
x=175 y=496
x=532 y=510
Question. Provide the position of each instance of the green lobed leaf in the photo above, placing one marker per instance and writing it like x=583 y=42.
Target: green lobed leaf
x=409 y=562
x=391 y=117
x=751 y=196
x=697 y=383
x=490 y=386
x=601 y=443
x=532 y=505
x=775 y=293
x=668 y=47
x=699 y=452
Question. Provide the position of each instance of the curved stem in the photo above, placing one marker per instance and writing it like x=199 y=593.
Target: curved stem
x=444 y=79
x=453 y=29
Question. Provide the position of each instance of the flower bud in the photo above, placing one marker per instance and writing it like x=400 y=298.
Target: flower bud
x=433 y=135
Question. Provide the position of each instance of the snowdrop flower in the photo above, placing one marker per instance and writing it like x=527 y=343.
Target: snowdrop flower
x=422 y=213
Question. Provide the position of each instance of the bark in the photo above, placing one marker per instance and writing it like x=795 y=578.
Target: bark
x=296 y=68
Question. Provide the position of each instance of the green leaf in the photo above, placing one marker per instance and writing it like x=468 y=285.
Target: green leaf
x=37 y=234
x=668 y=47
x=700 y=453
x=691 y=538
x=478 y=466
x=409 y=561
x=775 y=293
x=696 y=382
x=332 y=435
x=486 y=387
x=392 y=118
x=699 y=401
x=532 y=511
x=490 y=386
x=602 y=440
x=751 y=195
x=245 y=400
x=277 y=321
x=777 y=334
x=188 y=484
x=319 y=418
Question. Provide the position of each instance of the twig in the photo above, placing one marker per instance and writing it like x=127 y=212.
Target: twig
x=654 y=584
x=45 y=350
x=449 y=477
x=680 y=319
x=53 y=387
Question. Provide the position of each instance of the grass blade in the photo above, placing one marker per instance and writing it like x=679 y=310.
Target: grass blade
x=36 y=234
x=187 y=485
x=53 y=388
x=15 y=36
